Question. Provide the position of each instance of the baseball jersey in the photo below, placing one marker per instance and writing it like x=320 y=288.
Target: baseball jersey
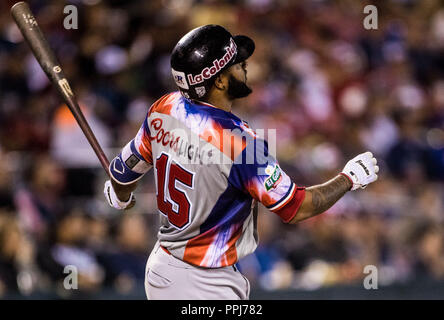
x=210 y=169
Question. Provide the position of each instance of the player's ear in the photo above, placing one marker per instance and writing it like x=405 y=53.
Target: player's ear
x=221 y=81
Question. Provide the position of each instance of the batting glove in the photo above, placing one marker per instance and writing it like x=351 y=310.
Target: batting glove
x=114 y=201
x=361 y=170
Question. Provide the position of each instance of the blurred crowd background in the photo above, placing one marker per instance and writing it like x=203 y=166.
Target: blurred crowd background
x=331 y=88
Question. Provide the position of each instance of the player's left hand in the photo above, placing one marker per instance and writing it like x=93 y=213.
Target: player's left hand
x=114 y=201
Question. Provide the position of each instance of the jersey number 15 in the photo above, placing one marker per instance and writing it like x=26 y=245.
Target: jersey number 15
x=178 y=207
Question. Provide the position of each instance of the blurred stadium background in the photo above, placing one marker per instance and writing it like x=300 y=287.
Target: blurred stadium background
x=330 y=87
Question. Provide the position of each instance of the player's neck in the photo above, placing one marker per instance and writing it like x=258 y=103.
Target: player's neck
x=220 y=101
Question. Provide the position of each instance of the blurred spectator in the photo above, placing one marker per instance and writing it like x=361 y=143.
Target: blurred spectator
x=18 y=272
x=125 y=263
x=38 y=203
x=68 y=247
x=429 y=247
x=6 y=189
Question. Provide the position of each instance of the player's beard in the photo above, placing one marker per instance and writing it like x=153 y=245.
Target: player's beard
x=237 y=89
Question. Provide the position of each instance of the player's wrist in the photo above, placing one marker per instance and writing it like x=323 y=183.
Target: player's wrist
x=347 y=179
x=123 y=193
x=114 y=200
x=123 y=203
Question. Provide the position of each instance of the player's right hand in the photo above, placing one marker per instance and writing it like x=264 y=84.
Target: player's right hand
x=114 y=201
x=361 y=170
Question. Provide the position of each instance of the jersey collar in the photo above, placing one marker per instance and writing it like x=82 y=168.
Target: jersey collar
x=206 y=104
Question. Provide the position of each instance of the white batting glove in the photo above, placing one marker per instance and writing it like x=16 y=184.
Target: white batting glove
x=361 y=170
x=113 y=200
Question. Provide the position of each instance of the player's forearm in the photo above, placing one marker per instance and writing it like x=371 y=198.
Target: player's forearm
x=123 y=192
x=319 y=198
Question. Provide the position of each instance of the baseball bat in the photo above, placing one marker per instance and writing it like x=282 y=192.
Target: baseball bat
x=28 y=26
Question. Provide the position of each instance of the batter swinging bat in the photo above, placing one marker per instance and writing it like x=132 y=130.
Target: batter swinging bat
x=34 y=37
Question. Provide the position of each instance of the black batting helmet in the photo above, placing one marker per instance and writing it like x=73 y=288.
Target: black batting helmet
x=202 y=54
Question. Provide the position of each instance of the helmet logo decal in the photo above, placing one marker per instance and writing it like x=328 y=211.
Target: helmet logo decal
x=217 y=65
x=179 y=78
x=200 y=91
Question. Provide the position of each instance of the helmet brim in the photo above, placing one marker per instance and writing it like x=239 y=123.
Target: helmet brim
x=245 y=48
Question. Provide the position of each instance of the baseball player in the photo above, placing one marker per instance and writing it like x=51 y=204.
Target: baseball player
x=210 y=170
